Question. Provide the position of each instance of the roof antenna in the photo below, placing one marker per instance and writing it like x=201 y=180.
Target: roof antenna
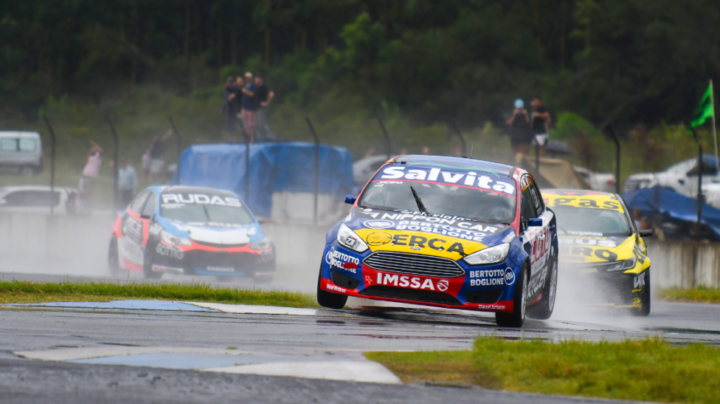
x=471 y=149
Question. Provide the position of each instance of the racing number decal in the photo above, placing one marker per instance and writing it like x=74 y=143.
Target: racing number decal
x=540 y=246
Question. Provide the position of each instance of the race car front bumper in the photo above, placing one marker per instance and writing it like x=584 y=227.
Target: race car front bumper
x=202 y=260
x=593 y=286
x=474 y=288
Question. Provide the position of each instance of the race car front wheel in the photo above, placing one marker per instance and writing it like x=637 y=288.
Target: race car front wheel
x=113 y=259
x=543 y=309
x=644 y=308
x=147 y=267
x=517 y=317
x=327 y=299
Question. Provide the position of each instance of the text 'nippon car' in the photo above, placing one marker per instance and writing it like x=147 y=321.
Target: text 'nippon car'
x=447 y=232
x=190 y=231
x=601 y=249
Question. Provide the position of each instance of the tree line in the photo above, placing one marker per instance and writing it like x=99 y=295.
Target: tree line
x=612 y=61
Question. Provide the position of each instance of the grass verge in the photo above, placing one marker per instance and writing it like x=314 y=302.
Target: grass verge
x=645 y=370
x=36 y=292
x=699 y=294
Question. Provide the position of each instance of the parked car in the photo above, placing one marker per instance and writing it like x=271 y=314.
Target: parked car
x=38 y=199
x=446 y=232
x=364 y=168
x=21 y=152
x=682 y=177
x=604 y=182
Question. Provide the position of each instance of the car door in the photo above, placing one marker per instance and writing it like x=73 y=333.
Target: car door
x=133 y=233
x=537 y=240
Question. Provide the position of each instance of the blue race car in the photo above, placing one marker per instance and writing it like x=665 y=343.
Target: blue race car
x=190 y=231
x=447 y=232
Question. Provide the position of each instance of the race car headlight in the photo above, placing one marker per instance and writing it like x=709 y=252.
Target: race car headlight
x=174 y=240
x=622 y=265
x=263 y=244
x=490 y=255
x=349 y=239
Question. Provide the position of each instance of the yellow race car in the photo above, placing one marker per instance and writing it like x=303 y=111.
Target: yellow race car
x=601 y=249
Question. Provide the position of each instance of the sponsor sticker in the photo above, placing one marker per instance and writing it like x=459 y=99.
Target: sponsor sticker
x=599 y=242
x=340 y=260
x=468 y=179
x=168 y=251
x=177 y=199
x=378 y=239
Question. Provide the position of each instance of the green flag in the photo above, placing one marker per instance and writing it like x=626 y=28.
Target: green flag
x=705 y=110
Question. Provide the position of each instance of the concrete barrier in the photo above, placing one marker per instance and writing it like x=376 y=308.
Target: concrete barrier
x=71 y=245
x=684 y=264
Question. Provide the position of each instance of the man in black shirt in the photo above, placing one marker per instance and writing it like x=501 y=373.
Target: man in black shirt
x=541 y=125
x=520 y=133
x=263 y=96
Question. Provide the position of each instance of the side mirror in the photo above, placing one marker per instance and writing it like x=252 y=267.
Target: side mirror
x=646 y=232
x=349 y=199
x=261 y=221
x=681 y=181
x=535 y=222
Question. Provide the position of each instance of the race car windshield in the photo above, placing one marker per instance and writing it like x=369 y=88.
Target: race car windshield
x=438 y=199
x=600 y=222
x=204 y=208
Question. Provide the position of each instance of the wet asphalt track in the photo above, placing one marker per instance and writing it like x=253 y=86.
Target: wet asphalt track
x=329 y=335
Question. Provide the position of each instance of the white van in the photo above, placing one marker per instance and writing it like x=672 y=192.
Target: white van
x=21 y=152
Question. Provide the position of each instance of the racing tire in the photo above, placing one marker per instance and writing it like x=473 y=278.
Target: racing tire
x=147 y=267
x=329 y=300
x=543 y=309
x=113 y=259
x=517 y=317
x=644 y=309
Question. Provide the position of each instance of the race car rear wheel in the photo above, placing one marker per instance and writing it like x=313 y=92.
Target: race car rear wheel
x=644 y=308
x=113 y=259
x=147 y=267
x=327 y=299
x=543 y=309
x=517 y=317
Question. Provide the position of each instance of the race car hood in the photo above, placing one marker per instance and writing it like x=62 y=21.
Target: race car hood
x=413 y=232
x=214 y=233
x=586 y=248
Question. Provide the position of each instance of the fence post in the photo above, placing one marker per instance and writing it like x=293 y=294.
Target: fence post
x=179 y=147
x=115 y=167
x=317 y=167
x=387 y=138
x=462 y=138
x=52 y=163
x=611 y=131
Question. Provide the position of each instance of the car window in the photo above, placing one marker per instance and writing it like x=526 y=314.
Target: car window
x=537 y=199
x=441 y=190
x=599 y=222
x=210 y=208
x=32 y=198
x=27 y=145
x=138 y=202
x=527 y=208
x=150 y=206
x=8 y=145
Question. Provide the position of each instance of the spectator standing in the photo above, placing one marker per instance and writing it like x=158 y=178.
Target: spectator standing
x=541 y=125
x=249 y=106
x=146 y=164
x=229 y=107
x=263 y=96
x=157 y=156
x=127 y=183
x=90 y=173
x=520 y=132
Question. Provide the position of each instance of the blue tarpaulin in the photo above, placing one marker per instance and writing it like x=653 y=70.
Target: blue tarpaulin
x=274 y=167
x=665 y=201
